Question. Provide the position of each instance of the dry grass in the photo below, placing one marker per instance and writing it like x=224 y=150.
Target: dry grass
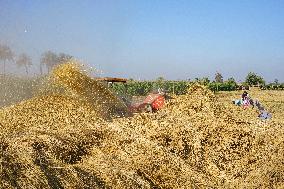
x=221 y=140
x=198 y=140
x=71 y=77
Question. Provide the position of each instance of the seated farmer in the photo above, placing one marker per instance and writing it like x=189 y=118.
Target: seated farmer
x=263 y=113
x=244 y=95
x=238 y=102
x=246 y=102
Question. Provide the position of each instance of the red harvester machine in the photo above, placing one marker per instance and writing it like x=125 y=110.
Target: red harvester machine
x=152 y=102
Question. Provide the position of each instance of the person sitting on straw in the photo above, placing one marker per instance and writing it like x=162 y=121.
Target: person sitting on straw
x=246 y=102
x=263 y=113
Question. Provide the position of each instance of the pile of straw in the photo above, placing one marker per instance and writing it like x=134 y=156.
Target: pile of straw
x=226 y=143
x=72 y=78
x=67 y=140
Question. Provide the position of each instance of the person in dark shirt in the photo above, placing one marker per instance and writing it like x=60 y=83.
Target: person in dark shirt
x=244 y=95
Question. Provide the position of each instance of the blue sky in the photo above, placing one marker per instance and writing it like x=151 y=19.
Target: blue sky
x=176 y=39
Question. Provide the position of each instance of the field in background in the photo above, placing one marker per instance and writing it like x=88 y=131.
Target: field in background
x=272 y=100
x=15 y=89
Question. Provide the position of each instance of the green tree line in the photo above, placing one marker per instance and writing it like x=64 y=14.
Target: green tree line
x=141 y=88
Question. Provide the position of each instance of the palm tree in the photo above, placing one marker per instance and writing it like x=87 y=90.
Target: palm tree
x=40 y=68
x=24 y=60
x=6 y=54
x=62 y=57
x=218 y=77
x=49 y=59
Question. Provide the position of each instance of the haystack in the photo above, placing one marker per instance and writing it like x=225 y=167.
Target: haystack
x=224 y=142
x=65 y=140
x=71 y=76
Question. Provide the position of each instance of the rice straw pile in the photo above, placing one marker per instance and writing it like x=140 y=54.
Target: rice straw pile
x=225 y=142
x=66 y=140
x=74 y=79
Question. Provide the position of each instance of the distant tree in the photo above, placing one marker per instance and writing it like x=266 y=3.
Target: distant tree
x=196 y=79
x=40 y=68
x=24 y=60
x=254 y=79
x=62 y=57
x=276 y=81
x=49 y=59
x=218 y=77
x=232 y=80
x=231 y=84
x=159 y=83
x=131 y=80
x=204 y=80
x=159 y=79
x=6 y=54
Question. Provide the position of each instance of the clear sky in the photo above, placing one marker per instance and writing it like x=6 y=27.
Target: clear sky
x=176 y=39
